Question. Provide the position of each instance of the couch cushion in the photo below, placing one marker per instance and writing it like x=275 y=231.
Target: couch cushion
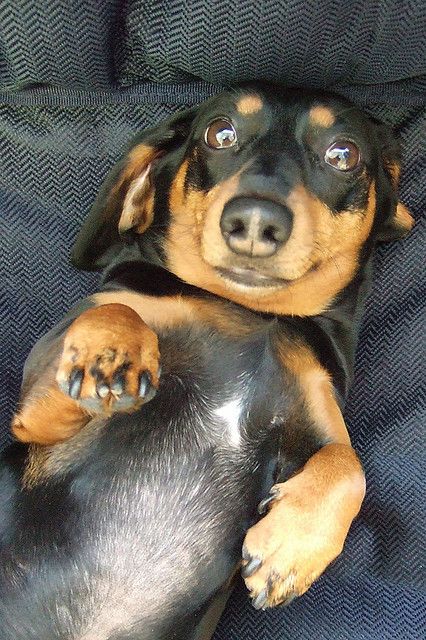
x=72 y=77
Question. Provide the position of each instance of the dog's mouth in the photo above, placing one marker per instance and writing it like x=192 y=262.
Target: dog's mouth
x=250 y=277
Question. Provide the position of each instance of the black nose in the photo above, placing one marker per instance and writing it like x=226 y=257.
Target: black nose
x=256 y=228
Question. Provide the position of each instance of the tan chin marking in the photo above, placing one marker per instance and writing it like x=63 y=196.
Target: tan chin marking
x=249 y=104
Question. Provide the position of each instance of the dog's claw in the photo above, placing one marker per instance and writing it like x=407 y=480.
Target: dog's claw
x=144 y=383
x=245 y=554
x=264 y=504
x=251 y=567
x=288 y=600
x=75 y=382
x=118 y=384
x=260 y=600
x=102 y=389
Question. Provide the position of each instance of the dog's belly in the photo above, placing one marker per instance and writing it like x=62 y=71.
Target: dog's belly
x=152 y=540
x=169 y=531
x=147 y=525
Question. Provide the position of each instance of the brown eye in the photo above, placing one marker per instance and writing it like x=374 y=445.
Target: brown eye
x=343 y=155
x=220 y=134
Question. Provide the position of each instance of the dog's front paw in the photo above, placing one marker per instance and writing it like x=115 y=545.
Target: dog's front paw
x=110 y=360
x=292 y=545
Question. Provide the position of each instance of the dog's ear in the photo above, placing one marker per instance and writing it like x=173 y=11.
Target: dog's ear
x=397 y=226
x=126 y=199
x=397 y=220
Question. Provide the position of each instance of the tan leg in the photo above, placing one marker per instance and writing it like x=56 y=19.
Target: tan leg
x=309 y=515
x=109 y=362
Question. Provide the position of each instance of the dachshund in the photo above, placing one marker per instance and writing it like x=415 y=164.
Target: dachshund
x=236 y=241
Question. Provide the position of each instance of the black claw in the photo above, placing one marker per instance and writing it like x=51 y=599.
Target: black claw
x=118 y=383
x=260 y=600
x=102 y=389
x=251 y=567
x=144 y=383
x=264 y=504
x=245 y=554
x=288 y=600
x=75 y=382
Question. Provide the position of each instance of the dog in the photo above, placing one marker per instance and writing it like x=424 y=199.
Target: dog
x=186 y=420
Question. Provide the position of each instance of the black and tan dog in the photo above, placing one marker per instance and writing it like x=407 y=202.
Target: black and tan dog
x=237 y=238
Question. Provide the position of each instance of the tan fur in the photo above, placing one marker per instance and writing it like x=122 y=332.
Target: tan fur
x=319 y=259
x=249 y=104
x=308 y=521
x=47 y=461
x=48 y=415
x=139 y=157
x=105 y=337
x=166 y=312
x=321 y=116
x=403 y=217
x=133 y=191
x=307 y=524
x=169 y=312
x=395 y=172
x=138 y=209
x=317 y=390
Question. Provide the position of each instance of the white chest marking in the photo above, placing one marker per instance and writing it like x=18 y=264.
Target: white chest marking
x=230 y=413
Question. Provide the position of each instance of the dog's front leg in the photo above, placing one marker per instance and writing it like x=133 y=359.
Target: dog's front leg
x=106 y=361
x=309 y=515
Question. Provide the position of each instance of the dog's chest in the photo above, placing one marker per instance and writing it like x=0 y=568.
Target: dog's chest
x=231 y=414
x=235 y=383
x=173 y=487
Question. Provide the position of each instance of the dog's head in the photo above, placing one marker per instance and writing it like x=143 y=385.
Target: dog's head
x=269 y=197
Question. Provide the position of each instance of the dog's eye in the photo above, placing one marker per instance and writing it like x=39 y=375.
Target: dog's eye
x=343 y=155
x=220 y=134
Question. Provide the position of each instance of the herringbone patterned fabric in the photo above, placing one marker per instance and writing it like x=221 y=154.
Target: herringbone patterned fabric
x=78 y=79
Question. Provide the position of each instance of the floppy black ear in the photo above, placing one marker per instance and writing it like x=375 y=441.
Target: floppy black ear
x=125 y=200
x=397 y=221
x=398 y=226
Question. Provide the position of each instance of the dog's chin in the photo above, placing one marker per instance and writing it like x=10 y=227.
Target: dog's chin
x=239 y=278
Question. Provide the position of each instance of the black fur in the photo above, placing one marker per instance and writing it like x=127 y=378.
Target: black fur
x=138 y=530
x=86 y=528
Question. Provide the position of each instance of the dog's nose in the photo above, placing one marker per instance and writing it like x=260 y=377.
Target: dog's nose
x=255 y=228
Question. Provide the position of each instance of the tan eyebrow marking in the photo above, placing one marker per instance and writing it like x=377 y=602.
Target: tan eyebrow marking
x=321 y=117
x=249 y=104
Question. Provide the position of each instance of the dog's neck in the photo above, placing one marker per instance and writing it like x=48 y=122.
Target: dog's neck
x=339 y=323
x=342 y=321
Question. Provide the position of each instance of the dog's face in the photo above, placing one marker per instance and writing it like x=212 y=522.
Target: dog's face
x=268 y=197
